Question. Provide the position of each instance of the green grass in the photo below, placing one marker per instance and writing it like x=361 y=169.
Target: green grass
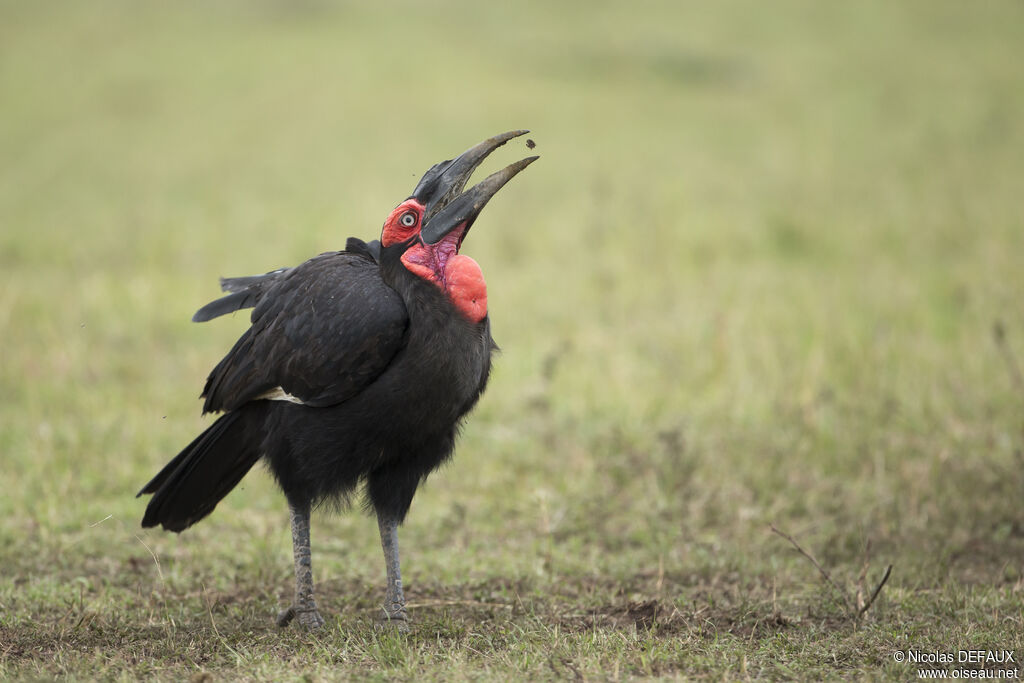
x=754 y=279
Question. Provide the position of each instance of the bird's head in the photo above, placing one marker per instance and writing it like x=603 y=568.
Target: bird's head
x=431 y=224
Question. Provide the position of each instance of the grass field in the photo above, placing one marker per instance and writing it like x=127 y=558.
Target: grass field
x=768 y=270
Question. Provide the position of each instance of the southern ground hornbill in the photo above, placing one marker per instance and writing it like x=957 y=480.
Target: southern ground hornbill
x=357 y=369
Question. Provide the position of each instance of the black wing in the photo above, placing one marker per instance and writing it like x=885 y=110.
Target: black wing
x=247 y=291
x=321 y=332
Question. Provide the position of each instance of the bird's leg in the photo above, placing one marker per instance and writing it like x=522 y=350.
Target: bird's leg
x=395 y=613
x=304 y=606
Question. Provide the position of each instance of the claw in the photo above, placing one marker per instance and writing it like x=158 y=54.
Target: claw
x=285 y=616
x=309 y=619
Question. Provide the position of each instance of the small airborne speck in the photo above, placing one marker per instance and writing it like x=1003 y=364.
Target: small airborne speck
x=530 y=144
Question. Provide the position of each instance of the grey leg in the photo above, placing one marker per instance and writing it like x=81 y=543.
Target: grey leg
x=304 y=606
x=395 y=613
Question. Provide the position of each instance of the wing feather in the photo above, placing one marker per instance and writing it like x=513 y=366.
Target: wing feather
x=322 y=332
x=246 y=292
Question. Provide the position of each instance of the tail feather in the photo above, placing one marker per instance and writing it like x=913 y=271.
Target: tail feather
x=189 y=487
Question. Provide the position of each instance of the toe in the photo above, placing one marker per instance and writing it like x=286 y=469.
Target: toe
x=395 y=622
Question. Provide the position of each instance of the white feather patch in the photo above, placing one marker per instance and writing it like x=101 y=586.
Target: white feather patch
x=279 y=394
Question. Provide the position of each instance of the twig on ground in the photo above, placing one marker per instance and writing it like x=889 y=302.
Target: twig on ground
x=824 y=574
x=859 y=607
x=878 y=589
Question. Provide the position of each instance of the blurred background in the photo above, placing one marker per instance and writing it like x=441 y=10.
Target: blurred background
x=768 y=268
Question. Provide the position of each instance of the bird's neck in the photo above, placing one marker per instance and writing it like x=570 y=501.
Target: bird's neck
x=458 y=276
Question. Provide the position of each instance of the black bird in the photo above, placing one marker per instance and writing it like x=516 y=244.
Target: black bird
x=358 y=369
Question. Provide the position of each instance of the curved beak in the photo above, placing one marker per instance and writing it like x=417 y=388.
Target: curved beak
x=464 y=209
x=447 y=206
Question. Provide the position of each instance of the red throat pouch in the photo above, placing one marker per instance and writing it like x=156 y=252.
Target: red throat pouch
x=466 y=287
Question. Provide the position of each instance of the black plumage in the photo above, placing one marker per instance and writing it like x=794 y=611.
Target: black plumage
x=357 y=368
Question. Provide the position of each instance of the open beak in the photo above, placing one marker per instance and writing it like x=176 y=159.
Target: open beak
x=440 y=190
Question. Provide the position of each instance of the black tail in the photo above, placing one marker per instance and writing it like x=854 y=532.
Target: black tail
x=189 y=487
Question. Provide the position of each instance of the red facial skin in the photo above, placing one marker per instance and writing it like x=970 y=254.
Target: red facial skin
x=457 y=275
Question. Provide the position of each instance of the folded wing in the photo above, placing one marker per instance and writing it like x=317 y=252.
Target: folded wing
x=320 y=333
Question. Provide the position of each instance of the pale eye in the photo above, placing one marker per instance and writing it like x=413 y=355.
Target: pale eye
x=408 y=219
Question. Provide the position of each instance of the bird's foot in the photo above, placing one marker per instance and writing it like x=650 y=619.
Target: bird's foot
x=395 y=619
x=308 y=617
